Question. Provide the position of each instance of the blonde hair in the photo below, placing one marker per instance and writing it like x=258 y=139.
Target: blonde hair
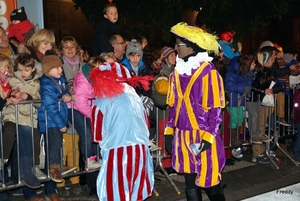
x=10 y=68
x=96 y=61
x=67 y=39
x=42 y=35
x=108 y=55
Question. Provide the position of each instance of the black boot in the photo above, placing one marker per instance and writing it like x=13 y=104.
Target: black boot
x=193 y=194
x=215 y=193
x=26 y=175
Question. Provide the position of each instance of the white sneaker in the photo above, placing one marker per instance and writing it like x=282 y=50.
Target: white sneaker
x=237 y=153
x=93 y=163
x=153 y=146
x=38 y=173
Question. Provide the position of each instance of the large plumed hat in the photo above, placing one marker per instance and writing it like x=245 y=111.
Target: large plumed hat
x=198 y=36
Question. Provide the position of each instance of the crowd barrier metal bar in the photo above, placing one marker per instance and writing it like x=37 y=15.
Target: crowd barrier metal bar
x=276 y=137
x=158 y=156
x=161 y=151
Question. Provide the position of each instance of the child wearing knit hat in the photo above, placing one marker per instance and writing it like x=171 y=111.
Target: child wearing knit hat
x=134 y=53
x=53 y=87
x=226 y=39
x=169 y=60
x=20 y=27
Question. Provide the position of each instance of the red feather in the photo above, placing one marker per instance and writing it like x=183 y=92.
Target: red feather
x=106 y=83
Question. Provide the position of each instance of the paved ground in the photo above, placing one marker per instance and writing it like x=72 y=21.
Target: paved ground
x=242 y=180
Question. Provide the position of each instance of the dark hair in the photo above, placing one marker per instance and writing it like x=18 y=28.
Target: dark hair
x=245 y=62
x=151 y=53
x=140 y=39
x=25 y=60
x=108 y=6
x=190 y=44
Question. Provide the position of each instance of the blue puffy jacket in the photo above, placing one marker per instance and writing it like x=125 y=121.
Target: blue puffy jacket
x=127 y=64
x=57 y=113
x=235 y=83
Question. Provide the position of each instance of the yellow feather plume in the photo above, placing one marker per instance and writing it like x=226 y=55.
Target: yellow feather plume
x=198 y=36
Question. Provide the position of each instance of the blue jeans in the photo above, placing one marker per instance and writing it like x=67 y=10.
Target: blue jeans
x=25 y=140
x=54 y=154
x=297 y=144
x=85 y=135
x=55 y=145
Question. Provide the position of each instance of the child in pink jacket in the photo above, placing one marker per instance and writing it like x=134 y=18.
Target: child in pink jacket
x=84 y=91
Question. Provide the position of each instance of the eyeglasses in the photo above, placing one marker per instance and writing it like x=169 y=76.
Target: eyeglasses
x=120 y=43
x=180 y=44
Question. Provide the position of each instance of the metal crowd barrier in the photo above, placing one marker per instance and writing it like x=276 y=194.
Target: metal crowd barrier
x=6 y=185
x=275 y=131
x=159 y=154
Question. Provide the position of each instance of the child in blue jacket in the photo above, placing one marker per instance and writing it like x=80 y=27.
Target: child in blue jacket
x=53 y=87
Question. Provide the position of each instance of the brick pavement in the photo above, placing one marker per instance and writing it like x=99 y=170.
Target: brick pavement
x=241 y=183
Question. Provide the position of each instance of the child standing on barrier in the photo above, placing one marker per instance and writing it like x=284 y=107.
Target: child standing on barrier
x=53 y=118
x=6 y=94
x=238 y=83
x=28 y=86
x=69 y=150
x=83 y=102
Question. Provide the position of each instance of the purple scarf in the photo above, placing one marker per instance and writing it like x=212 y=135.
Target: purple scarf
x=72 y=64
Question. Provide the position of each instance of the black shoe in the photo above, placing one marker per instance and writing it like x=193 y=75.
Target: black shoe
x=234 y=159
x=93 y=192
x=229 y=162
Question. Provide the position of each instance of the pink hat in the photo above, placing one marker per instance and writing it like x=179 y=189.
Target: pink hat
x=166 y=51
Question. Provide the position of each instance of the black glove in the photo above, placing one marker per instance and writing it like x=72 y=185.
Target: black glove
x=200 y=147
x=204 y=145
x=168 y=143
x=161 y=107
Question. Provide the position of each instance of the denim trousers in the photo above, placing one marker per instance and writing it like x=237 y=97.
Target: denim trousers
x=83 y=127
x=54 y=155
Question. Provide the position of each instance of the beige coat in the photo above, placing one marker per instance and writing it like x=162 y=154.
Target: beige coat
x=32 y=87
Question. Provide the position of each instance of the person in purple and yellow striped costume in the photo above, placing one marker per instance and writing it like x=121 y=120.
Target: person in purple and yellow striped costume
x=196 y=97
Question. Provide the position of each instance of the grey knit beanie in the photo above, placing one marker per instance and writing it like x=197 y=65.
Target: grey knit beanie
x=134 y=47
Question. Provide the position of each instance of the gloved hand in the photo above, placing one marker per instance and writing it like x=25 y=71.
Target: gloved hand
x=247 y=91
x=168 y=143
x=162 y=107
x=200 y=147
x=148 y=103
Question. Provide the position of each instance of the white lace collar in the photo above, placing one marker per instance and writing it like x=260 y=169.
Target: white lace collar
x=193 y=63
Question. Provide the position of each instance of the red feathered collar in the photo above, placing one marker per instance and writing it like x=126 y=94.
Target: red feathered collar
x=107 y=80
